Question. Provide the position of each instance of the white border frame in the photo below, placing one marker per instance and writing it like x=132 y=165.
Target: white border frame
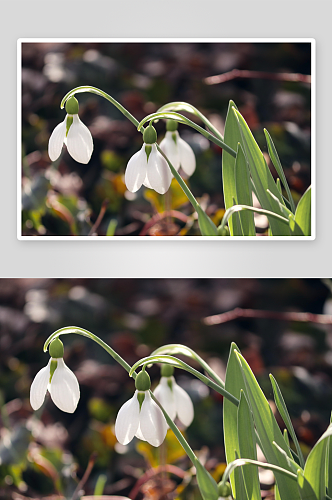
x=112 y=239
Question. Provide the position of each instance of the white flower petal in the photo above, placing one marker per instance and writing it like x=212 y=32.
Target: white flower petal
x=127 y=420
x=170 y=148
x=56 y=140
x=187 y=157
x=39 y=387
x=158 y=172
x=139 y=434
x=136 y=170
x=152 y=422
x=79 y=141
x=184 y=406
x=166 y=397
x=64 y=389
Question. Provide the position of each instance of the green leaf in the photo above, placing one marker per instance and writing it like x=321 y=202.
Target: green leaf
x=303 y=213
x=329 y=465
x=247 y=446
x=277 y=165
x=243 y=192
x=268 y=431
x=260 y=174
x=232 y=137
x=233 y=384
x=315 y=467
x=305 y=489
x=282 y=408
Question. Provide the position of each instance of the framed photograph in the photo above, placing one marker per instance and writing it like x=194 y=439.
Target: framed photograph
x=166 y=139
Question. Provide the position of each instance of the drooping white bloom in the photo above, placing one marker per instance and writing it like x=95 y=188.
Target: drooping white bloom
x=148 y=167
x=174 y=400
x=62 y=386
x=178 y=152
x=78 y=140
x=145 y=421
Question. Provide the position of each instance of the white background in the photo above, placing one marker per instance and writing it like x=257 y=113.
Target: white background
x=167 y=18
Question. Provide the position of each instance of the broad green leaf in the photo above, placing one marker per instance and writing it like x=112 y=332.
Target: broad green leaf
x=268 y=431
x=231 y=137
x=303 y=213
x=247 y=446
x=243 y=192
x=305 y=489
x=233 y=384
x=315 y=467
x=260 y=174
x=277 y=165
x=282 y=408
x=294 y=227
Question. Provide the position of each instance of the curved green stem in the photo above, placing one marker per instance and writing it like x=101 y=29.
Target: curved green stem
x=186 y=351
x=177 y=363
x=94 y=90
x=237 y=208
x=239 y=462
x=182 y=119
x=185 y=106
x=85 y=333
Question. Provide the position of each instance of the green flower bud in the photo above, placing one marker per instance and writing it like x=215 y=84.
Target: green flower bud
x=224 y=231
x=150 y=135
x=56 y=349
x=171 y=125
x=167 y=370
x=143 y=381
x=72 y=106
x=224 y=490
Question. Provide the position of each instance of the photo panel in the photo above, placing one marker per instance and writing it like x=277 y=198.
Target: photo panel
x=166 y=139
x=165 y=388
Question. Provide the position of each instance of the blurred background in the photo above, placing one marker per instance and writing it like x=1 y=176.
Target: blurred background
x=45 y=454
x=69 y=199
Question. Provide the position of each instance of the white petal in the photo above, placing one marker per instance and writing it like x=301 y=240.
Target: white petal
x=127 y=420
x=56 y=140
x=170 y=148
x=187 y=157
x=166 y=397
x=184 y=406
x=139 y=434
x=136 y=170
x=64 y=389
x=79 y=141
x=152 y=422
x=158 y=172
x=39 y=387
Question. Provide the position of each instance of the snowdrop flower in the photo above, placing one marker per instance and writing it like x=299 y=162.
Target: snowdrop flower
x=173 y=398
x=148 y=167
x=58 y=380
x=177 y=150
x=141 y=416
x=74 y=134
